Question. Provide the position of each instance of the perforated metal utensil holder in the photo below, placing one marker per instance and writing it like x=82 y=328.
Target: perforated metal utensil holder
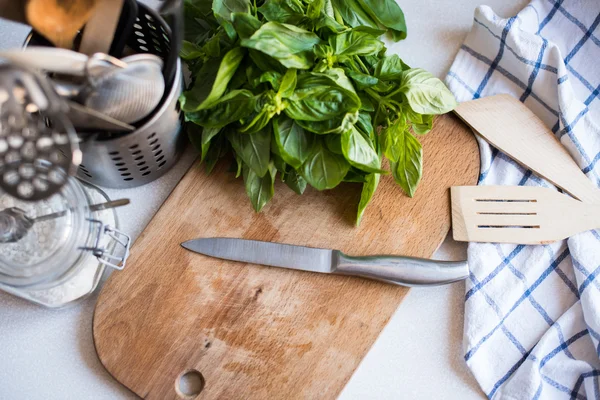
x=134 y=159
x=140 y=156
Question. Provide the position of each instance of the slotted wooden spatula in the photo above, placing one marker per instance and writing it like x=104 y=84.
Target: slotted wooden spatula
x=514 y=129
x=518 y=214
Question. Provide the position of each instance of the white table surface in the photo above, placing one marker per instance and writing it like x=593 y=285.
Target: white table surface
x=49 y=354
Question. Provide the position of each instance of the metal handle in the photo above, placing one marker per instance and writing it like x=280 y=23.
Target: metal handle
x=405 y=271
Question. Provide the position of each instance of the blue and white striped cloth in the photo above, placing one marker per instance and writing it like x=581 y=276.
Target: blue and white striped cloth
x=532 y=318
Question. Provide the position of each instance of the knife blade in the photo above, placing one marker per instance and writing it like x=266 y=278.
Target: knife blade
x=400 y=270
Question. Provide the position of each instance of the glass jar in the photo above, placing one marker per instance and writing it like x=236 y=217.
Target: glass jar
x=58 y=260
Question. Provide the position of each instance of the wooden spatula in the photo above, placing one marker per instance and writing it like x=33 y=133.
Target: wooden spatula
x=59 y=20
x=511 y=127
x=518 y=214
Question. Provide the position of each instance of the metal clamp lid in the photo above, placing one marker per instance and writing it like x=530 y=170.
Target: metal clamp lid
x=103 y=254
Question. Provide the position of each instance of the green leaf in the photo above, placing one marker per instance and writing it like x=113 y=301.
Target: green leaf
x=355 y=176
x=206 y=91
x=329 y=23
x=320 y=97
x=245 y=24
x=353 y=13
x=265 y=62
x=198 y=20
x=212 y=157
x=293 y=142
x=260 y=190
x=364 y=125
x=359 y=153
x=425 y=93
x=324 y=169
x=362 y=81
x=392 y=139
x=272 y=77
x=284 y=11
x=223 y=10
x=424 y=126
x=295 y=182
x=368 y=190
x=355 y=43
x=315 y=7
x=387 y=13
x=254 y=149
x=334 y=144
x=390 y=68
x=207 y=135
x=288 y=84
x=190 y=51
x=290 y=45
x=232 y=107
x=408 y=170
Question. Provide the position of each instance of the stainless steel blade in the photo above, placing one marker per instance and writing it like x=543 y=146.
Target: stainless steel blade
x=265 y=253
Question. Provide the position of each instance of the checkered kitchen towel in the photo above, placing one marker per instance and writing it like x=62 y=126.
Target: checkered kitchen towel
x=532 y=319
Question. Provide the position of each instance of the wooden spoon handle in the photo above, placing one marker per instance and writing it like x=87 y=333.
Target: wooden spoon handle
x=511 y=127
x=59 y=20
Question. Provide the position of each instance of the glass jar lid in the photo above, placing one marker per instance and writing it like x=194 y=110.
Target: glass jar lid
x=40 y=241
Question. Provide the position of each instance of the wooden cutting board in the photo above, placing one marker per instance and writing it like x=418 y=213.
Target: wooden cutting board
x=257 y=332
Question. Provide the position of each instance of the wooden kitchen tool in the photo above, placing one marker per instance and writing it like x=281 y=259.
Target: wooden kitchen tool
x=257 y=332
x=518 y=214
x=59 y=20
x=514 y=129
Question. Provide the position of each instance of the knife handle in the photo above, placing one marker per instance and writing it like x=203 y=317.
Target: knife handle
x=405 y=271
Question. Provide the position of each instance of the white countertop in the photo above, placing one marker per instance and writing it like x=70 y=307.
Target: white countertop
x=49 y=354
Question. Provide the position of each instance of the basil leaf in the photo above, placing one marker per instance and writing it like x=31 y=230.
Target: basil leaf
x=254 y=149
x=259 y=189
x=353 y=13
x=288 y=44
x=425 y=93
x=288 y=84
x=289 y=12
x=205 y=91
x=368 y=190
x=245 y=24
x=230 y=108
x=190 y=51
x=408 y=170
x=272 y=77
x=293 y=142
x=365 y=125
x=223 y=10
x=295 y=182
x=324 y=169
x=390 y=68
x=207 y=135
x=362 y=81
x=198 y=20
x=265 y=62
x=355 y=43
x=212 y=157
x=392 y=139
x=314 y=8
x=366 y=104
x=337 y=125
x=334 y=144
x=424 y=126
x=359 y=153
x=355 y=176
x=387 y=13
x=319 y=97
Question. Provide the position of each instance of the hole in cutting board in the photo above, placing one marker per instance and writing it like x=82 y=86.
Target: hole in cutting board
x=190 y=384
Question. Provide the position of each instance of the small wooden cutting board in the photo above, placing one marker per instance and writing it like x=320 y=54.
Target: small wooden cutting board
x=257 y=332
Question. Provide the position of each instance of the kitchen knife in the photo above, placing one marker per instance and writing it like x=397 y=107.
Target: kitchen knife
x=399 y=270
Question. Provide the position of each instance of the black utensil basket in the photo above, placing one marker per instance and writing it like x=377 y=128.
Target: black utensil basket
x=139 y=157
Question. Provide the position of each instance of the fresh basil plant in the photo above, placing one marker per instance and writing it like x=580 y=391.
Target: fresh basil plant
x=305 y=89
